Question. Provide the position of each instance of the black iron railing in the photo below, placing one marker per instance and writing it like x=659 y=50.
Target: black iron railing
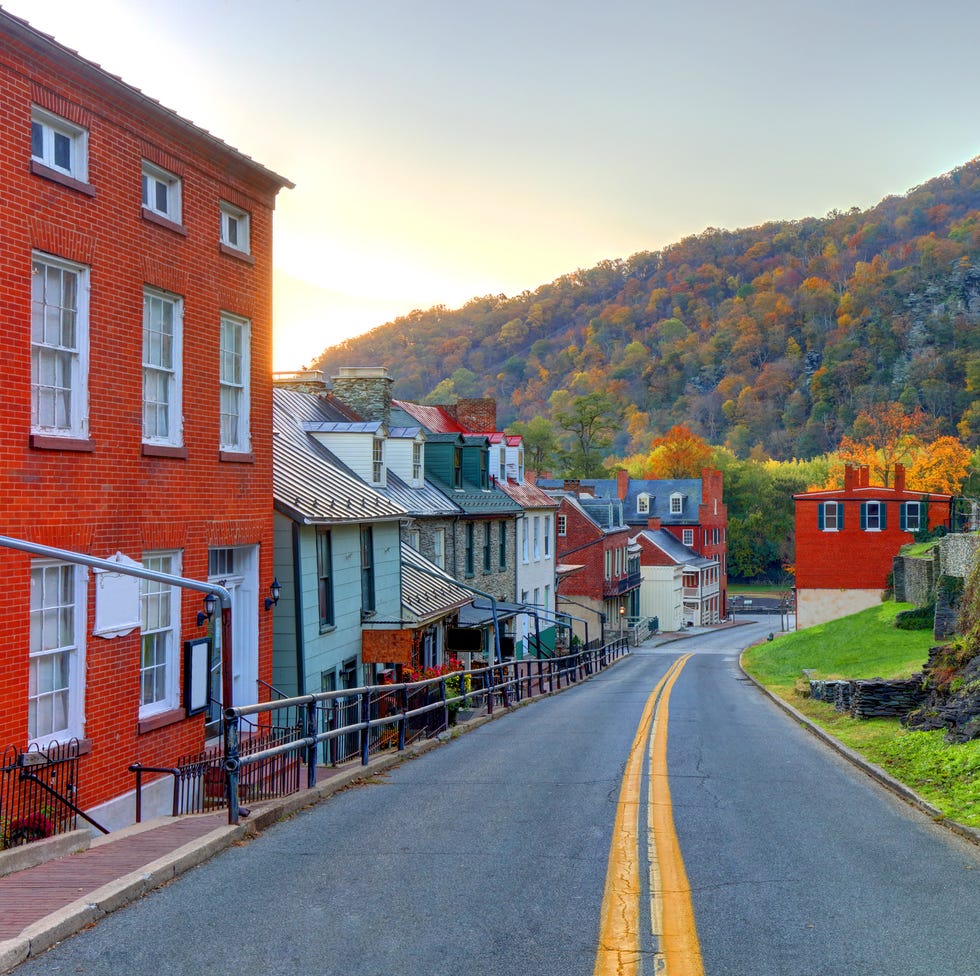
x=38 y=793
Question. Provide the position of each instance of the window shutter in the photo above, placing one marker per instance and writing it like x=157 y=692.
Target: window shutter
x=840 y=516
x=882 y=511
x=864 y=516
x=903 y=518
x=820 y=516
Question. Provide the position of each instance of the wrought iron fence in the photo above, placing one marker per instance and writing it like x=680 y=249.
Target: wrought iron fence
x=38 y=789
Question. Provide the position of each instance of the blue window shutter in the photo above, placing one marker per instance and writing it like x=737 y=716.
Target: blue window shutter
x=864 y=516
x=840 y=516
x=820 y=516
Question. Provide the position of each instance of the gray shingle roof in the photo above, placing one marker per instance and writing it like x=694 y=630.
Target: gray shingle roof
x=427 y=591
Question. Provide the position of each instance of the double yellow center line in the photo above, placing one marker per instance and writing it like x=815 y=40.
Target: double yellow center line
x=673 y=948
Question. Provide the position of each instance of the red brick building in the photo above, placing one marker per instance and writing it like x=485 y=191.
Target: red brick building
x=847 y=538
x=598 y=569
x=136 y=332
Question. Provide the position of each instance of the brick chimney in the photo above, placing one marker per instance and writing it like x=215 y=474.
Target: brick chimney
x=899 y=476
x=865 y=476
x=476 y=414
x=572 y=484
x=622 y=484
x=850 y=477
x=653 y=522
x=366 y=390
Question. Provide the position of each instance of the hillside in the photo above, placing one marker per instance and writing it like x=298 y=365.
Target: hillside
x=774 y=335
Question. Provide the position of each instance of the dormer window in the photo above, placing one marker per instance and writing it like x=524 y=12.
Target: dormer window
x=484 y=470
x=502 y=474
x=520 y=465
x=676 y=503
x=457 y=467
x=418 y=465
x=643 y=504
x=378 y=461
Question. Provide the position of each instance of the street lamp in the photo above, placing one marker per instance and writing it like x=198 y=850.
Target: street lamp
x=622 y=618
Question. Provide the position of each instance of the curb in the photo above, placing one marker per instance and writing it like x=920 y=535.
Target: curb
x=900 y=789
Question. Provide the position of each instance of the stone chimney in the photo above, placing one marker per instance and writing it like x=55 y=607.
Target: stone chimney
x=366 y=390
x=899 y=476
x=476 y=414
x=622 y=484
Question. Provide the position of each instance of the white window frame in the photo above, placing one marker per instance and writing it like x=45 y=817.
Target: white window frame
x=687 y=537
x=876 y=507
x=676 y=504
x=547 y=537
x=608 y=556
x=537 y=538
x=643 y=504
x=378 y=461
x=236 y=231
x=59 y=369
x=57 y=629
x=439 y=548
x=154 y=179
x=235 y=383
x=418 y=464
x=415 y=539
x=561 y=522
x=161 y=370
x=828 y=509
x=160 y=625
x=525 y=541
x=50 y=128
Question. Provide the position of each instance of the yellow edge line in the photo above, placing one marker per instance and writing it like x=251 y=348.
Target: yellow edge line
x=619 y=952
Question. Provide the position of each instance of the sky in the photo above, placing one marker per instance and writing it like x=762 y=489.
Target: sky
x=447 y=149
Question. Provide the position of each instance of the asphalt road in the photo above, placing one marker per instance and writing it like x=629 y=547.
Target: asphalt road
x=489 y=856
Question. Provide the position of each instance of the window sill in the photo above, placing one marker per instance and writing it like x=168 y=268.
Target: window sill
x=162 y=450
x=154 y=218
x=47 y=745
x=237 y=457
x=233 y=252
x=160 y=720
x=39 y=169
x=51 y=442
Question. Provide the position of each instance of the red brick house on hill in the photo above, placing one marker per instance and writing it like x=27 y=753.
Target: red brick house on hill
x=847 y=538
x=136 y=333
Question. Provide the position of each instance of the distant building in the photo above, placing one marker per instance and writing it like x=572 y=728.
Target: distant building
x=846 y=539
x=136 y=333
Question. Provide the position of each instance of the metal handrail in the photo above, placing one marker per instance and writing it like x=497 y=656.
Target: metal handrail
x=494 y=679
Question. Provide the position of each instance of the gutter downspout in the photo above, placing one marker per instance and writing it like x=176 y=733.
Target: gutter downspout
x=298 y=612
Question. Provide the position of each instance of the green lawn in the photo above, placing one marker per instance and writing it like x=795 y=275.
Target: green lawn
x=867 y=645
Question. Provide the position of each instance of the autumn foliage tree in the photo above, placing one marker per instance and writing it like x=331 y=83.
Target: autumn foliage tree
x=678 y=454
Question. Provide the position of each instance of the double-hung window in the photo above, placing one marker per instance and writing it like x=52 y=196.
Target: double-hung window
x=234 y=227
x=687 y=537
x=324 y=573
x=502 y=545
x=547 y=537
x=161 y=192
x=487 y=547
x=439 y=548
x=378 y=461
x=59 y=145
x=830 y=517
x=417 y=464
x=537 y=537
x=912 y=516
x=676 y=504
x=162 y=344
x=469 y=544
x=525 y=540
x=561 y=522
x=59 y=347
x=57 y=647
x=643 y=504
x=873 y=516
x=160 y=628
x=368 y=604
x=234 y=383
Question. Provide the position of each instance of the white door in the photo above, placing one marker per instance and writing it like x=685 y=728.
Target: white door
x=236 y=569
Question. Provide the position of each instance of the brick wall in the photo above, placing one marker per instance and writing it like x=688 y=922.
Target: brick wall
x=108 y=494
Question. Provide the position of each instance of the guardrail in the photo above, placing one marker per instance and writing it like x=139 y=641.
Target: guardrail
x=386 y=716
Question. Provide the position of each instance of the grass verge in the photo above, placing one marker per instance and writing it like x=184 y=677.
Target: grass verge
x=867 y=645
